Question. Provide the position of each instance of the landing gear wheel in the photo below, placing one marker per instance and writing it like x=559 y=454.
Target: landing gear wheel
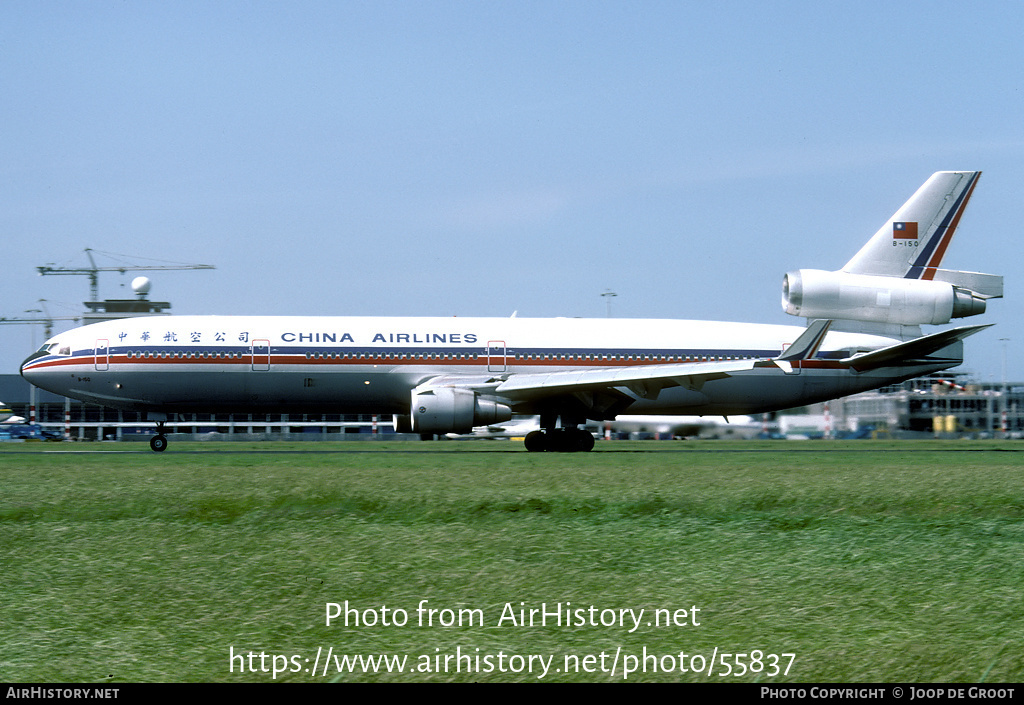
x=158 y=443
x=559 y=440
x=536 y=441
x=574 y=440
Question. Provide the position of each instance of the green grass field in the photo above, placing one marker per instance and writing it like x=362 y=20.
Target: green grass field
x=866 y=561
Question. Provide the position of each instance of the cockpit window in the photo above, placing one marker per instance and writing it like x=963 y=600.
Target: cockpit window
x=53 y=349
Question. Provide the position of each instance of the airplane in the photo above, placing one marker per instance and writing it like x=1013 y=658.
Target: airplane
x=684 y=426
x=6 y=414
x=517 y=427
x=448 y=375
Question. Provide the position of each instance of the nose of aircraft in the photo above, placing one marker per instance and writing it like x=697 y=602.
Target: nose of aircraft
x=26 y=366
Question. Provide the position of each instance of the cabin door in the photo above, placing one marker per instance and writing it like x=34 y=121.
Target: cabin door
x=497 y=360
x=260 y=352
x=102 y=352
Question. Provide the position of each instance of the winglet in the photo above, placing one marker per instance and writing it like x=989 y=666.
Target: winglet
x=806 y=346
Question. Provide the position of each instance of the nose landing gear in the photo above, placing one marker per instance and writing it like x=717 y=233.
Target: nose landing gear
x=158 y=443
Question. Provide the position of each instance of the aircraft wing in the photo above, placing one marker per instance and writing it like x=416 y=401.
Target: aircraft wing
x=641 y=381
x=644 y=381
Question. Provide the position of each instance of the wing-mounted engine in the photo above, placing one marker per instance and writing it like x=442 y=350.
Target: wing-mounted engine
x=453 y=410
x=813 y=293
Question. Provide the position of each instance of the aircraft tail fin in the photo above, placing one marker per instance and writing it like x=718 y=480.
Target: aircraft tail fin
x=893 y=285
x=913 y=241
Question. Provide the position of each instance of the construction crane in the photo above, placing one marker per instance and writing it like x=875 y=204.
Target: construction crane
x=46 y=319
x=93 y=271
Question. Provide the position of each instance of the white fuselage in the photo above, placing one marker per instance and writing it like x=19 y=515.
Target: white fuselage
x=370 y=365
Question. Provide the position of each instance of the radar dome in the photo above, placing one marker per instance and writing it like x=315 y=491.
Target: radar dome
x=141 y=286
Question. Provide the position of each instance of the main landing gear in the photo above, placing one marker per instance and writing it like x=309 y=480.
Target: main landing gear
x=560 y=440
x=158 y=443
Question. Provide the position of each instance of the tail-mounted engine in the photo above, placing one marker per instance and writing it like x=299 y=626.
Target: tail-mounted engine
x=452 y=410
x=814 y=293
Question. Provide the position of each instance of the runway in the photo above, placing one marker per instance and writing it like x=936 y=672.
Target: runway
x=618 y=447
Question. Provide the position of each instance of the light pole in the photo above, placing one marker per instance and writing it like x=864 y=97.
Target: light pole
x=1003 y=393
x=608 y=296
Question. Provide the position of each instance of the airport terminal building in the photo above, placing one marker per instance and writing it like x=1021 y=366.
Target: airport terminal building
x=939 y=405
x=89 y=422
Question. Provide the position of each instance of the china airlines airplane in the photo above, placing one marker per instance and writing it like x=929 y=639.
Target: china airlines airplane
x=447 y=375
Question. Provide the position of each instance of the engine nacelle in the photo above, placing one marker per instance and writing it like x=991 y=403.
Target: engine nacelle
x=454 y=410
x=813 y=293
x=402 y=423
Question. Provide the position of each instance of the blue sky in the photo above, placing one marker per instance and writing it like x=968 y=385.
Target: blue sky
x=480 y=158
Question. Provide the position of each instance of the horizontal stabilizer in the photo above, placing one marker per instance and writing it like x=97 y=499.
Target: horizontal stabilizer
x=986 y=286
x=915 y=349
